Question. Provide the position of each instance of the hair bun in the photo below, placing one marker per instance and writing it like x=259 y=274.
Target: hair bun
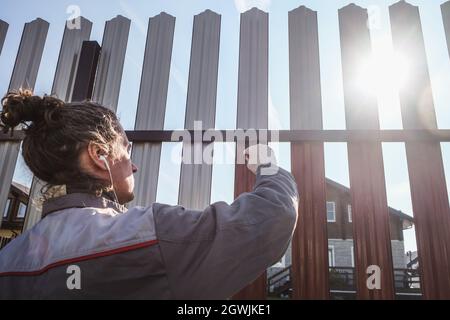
x=22 y=106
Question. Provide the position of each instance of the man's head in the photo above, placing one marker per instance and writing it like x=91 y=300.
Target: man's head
x=64 y=143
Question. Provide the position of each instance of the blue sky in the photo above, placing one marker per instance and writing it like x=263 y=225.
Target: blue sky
x=18 y=12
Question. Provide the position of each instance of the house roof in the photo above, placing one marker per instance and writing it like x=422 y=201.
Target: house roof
x=407 y=220
x=20 y=187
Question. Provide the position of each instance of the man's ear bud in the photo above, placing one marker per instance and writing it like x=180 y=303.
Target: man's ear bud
x=103 y=158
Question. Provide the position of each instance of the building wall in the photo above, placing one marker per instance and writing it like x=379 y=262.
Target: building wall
x=343 y=255
x=342 y=228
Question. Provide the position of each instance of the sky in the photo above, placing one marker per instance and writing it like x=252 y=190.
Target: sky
x=18 y=12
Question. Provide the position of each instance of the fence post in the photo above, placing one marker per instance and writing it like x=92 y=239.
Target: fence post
x=310 y=242
x=425 y=166
x=445 y=10
x=370 y=214
x=3 y=30
x=252 y=107
x=62 y=88
x=152 y=105
x=200 y=106
x=86 y=71
x=110 y=65
x=24 y=76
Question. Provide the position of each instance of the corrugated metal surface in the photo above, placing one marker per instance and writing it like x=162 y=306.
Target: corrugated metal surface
x=24 y=76
x=195 y=179
x=63 y=82
x=309 y=243
x=253 y=70
x=69 y=56
x=3 y=30
x=370 y=214
x=252 y=107
x=369 y=205
x=110 y=66
x=152 y=105
x=426 y=173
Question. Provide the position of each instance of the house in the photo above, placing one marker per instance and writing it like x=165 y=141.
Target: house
x=340 y=242
x=14 y=213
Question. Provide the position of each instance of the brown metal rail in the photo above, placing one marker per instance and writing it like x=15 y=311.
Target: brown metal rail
x=290 y=135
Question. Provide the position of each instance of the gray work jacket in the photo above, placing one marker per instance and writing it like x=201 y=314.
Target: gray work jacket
x=89 y=247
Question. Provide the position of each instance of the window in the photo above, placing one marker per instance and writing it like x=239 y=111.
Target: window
x=5 y=213
x=352 y=253
x=22 y=210
x=281 y=263
x=331 y=211
x=349 y=211
x=331 y=262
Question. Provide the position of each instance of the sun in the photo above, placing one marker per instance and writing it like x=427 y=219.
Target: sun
x=384 y=69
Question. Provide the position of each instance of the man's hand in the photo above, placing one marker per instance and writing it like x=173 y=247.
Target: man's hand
x=259 y=154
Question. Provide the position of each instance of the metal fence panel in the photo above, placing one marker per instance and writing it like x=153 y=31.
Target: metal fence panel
x=426 y=172
x=63 y=83
x=195 y=178
x=370 y=214
x=152 y=105
x=252 y=106
x=24 y=76
x=309 y=243
x=110 y=66
x=3 y=30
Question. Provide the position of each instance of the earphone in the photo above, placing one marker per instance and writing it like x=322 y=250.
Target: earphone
x=103 y=158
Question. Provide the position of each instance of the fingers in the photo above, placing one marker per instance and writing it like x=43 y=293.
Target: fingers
x=259 y=154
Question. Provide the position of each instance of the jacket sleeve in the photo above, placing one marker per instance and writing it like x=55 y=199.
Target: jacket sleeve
x=212 y=254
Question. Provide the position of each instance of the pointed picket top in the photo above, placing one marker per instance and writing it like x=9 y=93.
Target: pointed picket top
x=253 y=15
x=162 y=17
x=403 y=4
x=208 y=12
x=85 y=21
x=120 y=17
x=404 y=7
x=352 y=7
x=352 y=13
x=163 y=14
x=302 y=10
x=4 y=24
x=39 y=21
x=3 y=31
x=33 y=40
x=445 y=5
x=255 y=11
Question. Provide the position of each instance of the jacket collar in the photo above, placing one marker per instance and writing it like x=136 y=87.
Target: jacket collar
x=79 y=200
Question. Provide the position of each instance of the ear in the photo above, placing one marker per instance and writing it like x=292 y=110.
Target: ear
x=94 y=152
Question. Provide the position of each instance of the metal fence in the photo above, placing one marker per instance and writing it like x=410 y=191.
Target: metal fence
x=86 y=70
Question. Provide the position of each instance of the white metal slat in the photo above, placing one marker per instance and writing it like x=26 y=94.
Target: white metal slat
x=152 y=105
x=111 y=62
x=62 y=88
x=253 y=87
x=24 y=76
x=195 y=178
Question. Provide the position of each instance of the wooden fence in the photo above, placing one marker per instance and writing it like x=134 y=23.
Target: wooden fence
x=86 y=70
